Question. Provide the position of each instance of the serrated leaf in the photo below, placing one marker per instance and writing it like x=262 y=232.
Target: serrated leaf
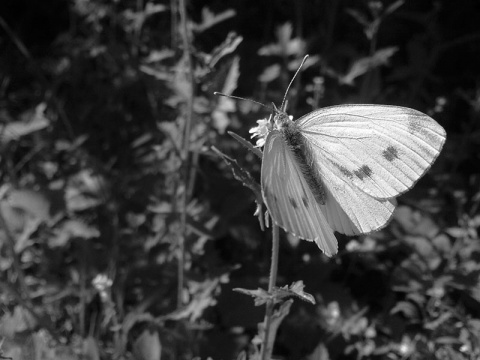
x=260 y=296
x=296 y=289
x=248 y=145
x=241 y=174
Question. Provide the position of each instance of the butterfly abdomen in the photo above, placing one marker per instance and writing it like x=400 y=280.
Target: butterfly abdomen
x=303 y=155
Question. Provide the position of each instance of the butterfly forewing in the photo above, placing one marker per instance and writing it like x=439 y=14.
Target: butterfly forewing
x=382 y=150
x=289 y=200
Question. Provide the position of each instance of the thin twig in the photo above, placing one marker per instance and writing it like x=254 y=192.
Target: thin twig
x=17 y=265
x=267 y=345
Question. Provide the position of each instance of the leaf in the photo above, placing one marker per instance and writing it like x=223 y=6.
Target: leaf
x=277 y=318
x=32 y=121
x=31 y=202
x=245 y=178
x=437 y=323
x=247 y=144
x=261 y=296
x=241 y=174
x=232 y=77
x=357 y=15
x=147 y=346
x=210 y=19
x=296 y=289
x=320 y=353
x=365 y=64
x=18 y=321
x=226 y=104
x=85 y=190
x=393 y=7
x=406 y=308
x=228 y=46
x=416 y=222
x=90 y=349
x=71 y=229
x=270 y=73
x=155 y=56
x=285 y=45
x=131 y=319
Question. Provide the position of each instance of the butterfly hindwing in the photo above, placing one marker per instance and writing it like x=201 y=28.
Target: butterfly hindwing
x=288 y=197
x=381 y=150
x=349 y=210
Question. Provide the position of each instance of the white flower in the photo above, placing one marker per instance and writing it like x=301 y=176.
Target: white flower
x=261 y=131
x=102 y=284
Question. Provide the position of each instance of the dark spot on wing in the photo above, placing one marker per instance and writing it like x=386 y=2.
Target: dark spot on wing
x=390 y=153
x=305 y=202
x=414 y=126
x=269 y=195
x=363 y=172
x=345 y=171
x=293 y=202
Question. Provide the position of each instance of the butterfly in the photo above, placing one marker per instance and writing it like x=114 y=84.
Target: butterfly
x=340 y=168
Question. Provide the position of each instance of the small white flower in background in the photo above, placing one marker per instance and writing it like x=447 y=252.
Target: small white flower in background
x=406 y=347
x=102 y=283
x=332 y=314
x=261 y=131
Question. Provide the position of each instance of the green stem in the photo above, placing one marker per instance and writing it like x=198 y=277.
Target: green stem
x=185 y=150
x=267 y=346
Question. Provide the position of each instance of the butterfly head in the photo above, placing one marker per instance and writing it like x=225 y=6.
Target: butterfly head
x=281 y=120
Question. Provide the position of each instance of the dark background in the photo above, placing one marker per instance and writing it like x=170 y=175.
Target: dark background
x=99 y=188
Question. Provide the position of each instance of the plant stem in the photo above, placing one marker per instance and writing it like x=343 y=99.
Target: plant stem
x=267 y=345
x=22 y=292
x=185 y=150
x=17 y=265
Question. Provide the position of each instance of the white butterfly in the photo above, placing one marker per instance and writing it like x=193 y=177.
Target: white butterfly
x=340 y=168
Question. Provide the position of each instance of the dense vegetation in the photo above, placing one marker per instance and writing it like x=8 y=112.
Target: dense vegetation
x=124 y=231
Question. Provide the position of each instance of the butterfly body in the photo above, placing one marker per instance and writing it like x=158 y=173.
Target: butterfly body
x=340 y=168
x=300 y=150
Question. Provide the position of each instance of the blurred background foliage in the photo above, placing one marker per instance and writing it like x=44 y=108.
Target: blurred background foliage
x=123 y=233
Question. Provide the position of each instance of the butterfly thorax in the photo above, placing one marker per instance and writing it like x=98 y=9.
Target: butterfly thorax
x=281 y=120
x=302 y=153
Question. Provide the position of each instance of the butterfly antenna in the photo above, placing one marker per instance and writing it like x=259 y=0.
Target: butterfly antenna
x=291 y=82
x=240 y=98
